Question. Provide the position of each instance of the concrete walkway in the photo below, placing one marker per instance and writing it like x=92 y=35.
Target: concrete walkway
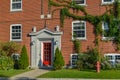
x=30 y=75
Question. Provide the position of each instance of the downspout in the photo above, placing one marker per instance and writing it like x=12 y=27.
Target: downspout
x=41 y=7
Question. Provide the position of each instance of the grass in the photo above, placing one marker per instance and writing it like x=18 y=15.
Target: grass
x=12 y=72
x=91 y=74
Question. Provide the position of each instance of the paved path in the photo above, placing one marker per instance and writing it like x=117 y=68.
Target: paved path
x=30 y=75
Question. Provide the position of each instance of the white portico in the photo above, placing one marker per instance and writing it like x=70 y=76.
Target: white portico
x=43 y=45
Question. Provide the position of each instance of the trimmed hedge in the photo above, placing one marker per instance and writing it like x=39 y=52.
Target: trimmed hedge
x=58 y=62
x=24 y=62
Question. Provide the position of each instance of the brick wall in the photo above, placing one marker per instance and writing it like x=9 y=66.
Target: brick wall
x=30 y=16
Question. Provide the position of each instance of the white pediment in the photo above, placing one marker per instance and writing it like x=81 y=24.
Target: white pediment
x=45 y=31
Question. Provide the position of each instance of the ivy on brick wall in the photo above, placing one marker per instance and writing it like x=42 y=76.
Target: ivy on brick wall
x=111 y=16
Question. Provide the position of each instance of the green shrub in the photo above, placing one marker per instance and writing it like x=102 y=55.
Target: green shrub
x=77 y=46
x=24 y=62
x=117 y=66
x=93 y=56
x=6 y=50
x=6 y=63
x=81 y=62
x=87 y=60
x=105 y=65
x=58 y=62
x=9 y=48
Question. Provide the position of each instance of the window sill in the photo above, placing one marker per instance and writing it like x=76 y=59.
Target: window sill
x=82 y=4
x=106 y=3
x=108 y=38
x=16 y=10
x=80 y=38
x=20 y=40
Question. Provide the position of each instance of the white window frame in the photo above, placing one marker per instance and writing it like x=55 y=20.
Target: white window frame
x=16 y=56
x=11 y=9
x=103 y=37
x=81 y=4
x=80 y=38
x=11 y=32
x=71 y=59
x=103 y=2
x=113 y=55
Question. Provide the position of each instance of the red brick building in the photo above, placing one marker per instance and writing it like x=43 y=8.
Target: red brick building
x=32 y=23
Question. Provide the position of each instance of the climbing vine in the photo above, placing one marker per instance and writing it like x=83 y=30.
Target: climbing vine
x=111 y=16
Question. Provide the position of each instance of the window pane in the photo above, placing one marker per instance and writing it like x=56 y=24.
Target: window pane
x=74 y=59
x=110 y=57
x=106 y=29
x=16 y=32
x=74 y=56
x=79 y=1
x=79 y=29
x=117 y=57
x=16 y=0
x=16 y=6
x=106 y=26
x=107 y=0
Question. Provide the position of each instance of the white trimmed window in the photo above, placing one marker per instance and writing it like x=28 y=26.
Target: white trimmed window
x=80 y=2
x=16 y=32
x=16 y=5
x=113 y=58
x=79 y=29
x=15 y=56
x=105 y=36
x=105 y=30
x=107 y=1
x=74 y=58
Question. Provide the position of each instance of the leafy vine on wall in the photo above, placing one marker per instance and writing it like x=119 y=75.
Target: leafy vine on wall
x=111 y=16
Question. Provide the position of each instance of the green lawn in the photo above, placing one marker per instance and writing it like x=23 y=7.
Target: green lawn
x=67 y=73
x=9 y=73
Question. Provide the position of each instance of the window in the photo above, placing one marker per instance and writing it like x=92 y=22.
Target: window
x=113 y=58
x=16 y=5
x=79 y=29
x=81 y=2
x=15 y=56
x=105 y=30
x=106 y=33
x=117 y=58
x=74 y=58
x=16 y=32
x=107 y=1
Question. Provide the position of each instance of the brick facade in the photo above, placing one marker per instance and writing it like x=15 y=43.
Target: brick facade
x=30 y=17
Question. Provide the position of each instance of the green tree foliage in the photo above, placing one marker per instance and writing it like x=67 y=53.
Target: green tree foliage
x=6 y=50
x=105 y=64
x=77 y=46
x=6 y=63
x=88 y=60
x=24 y=62
x=9 y=48
x=111 y=16
x=81 y=62
x=58 y=62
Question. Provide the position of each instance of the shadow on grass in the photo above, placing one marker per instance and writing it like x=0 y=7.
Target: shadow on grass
x=25 y=78
x=3 y=75
x=21 y=78
x=3 y=78
x=89 y=70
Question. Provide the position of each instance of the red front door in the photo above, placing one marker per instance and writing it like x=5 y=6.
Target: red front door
x=46 y=53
